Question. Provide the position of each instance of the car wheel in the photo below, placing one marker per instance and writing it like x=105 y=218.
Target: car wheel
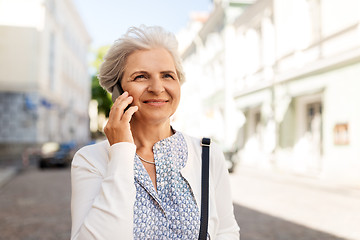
x=42 y=165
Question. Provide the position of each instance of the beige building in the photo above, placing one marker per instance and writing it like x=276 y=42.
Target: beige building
x=44 y=79
x=291 y=68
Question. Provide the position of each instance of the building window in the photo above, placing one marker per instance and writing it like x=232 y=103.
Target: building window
x=253 y=51
x=313 y=117
x=257 y=124
x=306 y=19
x=313 y=7
x=52 y=61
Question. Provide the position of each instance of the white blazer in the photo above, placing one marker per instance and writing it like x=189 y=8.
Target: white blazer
x=103 y=191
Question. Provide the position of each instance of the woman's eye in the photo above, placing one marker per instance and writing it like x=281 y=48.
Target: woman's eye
x=168 y=76
x=139 y=77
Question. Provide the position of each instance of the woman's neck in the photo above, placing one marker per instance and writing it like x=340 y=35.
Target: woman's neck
x=146 y=135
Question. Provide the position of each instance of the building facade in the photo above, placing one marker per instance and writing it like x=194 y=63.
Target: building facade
x=290 y=68
x=44 y=79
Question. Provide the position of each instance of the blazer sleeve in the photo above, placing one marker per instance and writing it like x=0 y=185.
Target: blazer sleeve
x=103 y=192
x=228 y=227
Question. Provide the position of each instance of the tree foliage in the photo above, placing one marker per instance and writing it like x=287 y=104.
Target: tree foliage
x=97 y=92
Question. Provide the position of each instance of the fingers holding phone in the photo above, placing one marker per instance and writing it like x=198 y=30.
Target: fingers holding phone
x=121 y=104
x=117 y=128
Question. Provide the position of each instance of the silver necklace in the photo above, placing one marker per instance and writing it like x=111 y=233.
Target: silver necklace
x=145 y=160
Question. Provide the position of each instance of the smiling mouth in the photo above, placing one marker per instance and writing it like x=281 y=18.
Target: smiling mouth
x=156 y=101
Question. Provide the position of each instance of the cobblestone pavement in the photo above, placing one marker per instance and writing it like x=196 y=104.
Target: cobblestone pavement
x=35 y=205
x=284 y=207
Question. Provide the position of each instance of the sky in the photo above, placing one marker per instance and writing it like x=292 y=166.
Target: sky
x=107 y=20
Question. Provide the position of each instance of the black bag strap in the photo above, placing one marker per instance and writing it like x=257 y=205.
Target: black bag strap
x=205 y=143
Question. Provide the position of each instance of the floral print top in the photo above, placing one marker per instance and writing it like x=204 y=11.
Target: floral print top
x=171 y=211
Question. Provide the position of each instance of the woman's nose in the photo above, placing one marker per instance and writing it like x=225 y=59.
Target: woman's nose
x=156 y=85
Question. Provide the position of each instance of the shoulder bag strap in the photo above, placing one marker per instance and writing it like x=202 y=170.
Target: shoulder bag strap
x=205 y=143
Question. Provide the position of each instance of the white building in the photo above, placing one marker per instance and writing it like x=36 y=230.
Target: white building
x=44 y=79
x=292 y=69
x=208 y=88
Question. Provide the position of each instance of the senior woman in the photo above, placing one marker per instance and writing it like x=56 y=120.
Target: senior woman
x=144 y=181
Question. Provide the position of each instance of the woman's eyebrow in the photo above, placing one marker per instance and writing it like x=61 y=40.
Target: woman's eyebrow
x=138 y=72
x=168 y=71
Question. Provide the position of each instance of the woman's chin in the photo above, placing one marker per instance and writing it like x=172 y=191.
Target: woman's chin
x=156 y=117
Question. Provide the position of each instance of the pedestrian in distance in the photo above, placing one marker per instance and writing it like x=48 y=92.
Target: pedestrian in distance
x=144 y=181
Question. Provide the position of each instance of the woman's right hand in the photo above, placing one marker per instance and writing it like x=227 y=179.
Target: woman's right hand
x=117 y=128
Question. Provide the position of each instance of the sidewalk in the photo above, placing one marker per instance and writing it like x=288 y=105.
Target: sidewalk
x=6 y=174
x=300 y=181
x=310 y=202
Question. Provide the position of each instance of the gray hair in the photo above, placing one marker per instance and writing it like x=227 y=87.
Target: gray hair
x=141 y=38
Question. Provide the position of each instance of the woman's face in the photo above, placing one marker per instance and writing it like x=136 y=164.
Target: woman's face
x=150 y=78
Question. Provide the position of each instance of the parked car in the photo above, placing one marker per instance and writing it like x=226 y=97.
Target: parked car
x=55 y=154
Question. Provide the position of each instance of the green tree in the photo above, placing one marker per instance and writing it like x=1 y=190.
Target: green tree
x=97 y=92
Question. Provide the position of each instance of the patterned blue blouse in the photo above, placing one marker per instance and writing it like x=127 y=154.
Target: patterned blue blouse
x=171 y=211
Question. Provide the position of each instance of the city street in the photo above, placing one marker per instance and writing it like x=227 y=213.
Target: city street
x=272 y=206
x=35 y=205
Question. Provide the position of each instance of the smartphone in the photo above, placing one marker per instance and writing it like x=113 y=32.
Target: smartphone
x=117 y=92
